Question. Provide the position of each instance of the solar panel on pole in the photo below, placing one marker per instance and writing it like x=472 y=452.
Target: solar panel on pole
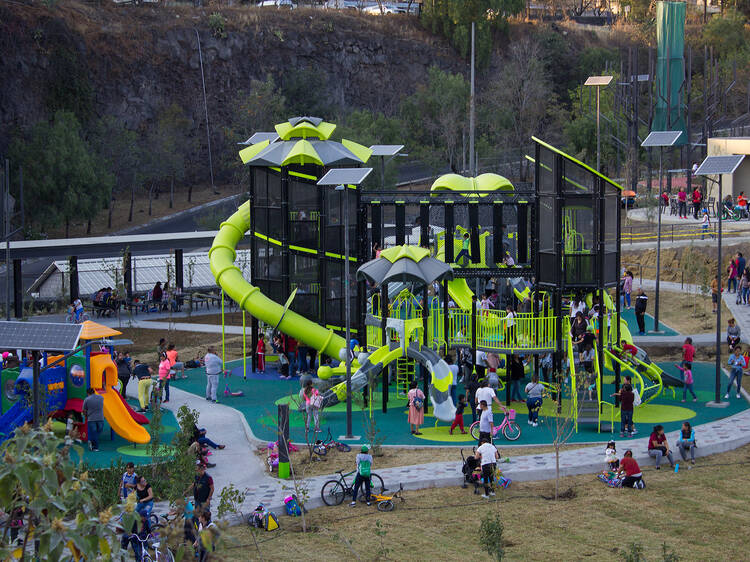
x=386 y=149
x=345 y=176
x=715 y=165
x=41 y=336
x=656 y=139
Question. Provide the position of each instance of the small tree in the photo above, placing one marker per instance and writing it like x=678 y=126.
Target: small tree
x=491 y=535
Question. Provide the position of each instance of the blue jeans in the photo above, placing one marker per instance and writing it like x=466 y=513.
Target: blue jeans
x=302 y=352
x=144 y=508
x=627 y=299
x=94 y=428
x=732 y=284
x=626 y=420
x=745 y=294
x=358 y=481
x=165 y=387
x=688 y=386
x=292 y=362
x=736 y=374
x=207 y=441
x=515 y=390
x=534 y=404
x=462 y=253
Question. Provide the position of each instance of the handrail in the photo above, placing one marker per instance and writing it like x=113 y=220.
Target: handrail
x=572 y=368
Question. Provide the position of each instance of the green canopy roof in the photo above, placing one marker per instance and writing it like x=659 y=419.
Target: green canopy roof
x=472 y=187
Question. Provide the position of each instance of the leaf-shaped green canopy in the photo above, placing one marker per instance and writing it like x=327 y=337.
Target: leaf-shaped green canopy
x=472 y=187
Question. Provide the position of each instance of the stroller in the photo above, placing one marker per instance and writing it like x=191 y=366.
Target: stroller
x=470 y=470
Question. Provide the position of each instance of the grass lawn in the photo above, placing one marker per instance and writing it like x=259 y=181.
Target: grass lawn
x=676 y=311
x=698 y=513
x=189 y=344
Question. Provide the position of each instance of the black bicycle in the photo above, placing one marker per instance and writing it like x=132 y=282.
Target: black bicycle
x=333 y=492
x=321 y=447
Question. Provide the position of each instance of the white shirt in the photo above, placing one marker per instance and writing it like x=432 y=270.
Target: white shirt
x=485 y=393
x=510 y=319
x=488 y=452
x=454 y=371
x=481 y=359
x=575 y=309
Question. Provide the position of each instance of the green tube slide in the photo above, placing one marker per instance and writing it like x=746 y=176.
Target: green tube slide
x=230 y=279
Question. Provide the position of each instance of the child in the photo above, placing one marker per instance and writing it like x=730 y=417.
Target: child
x=705 y=224
x=459 y=420
x=364 y=470
x=688 y=352
x=488 y=456
x=77 y=307
x=128 y=481
x=687 y=379
x=610 y=456
x=626 y=410
x=464 y=249
x=261 y=353
x=207 y=533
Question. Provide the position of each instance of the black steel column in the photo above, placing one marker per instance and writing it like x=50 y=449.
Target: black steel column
x=618 y=306
x=425 y=321
x=449 y=228
x=285 y=233
x=127 y=275
x=717 y=389
x=35 y=388
x=17 y=289
x=400 y=223
x=254 y=337
x=507 y=379
x=73 y=267
x=476 y=252
x=424 y=224
x=179 y=269
x=497 y=232
x=523 y=233
x=446 y=319
x=600 y=229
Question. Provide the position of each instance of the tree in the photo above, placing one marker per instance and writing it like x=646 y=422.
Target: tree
x=64 y=178
x=55 y=499
x=726 y=35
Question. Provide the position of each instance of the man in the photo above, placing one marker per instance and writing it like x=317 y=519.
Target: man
x=93 y=409
x=202 y=487
x=124 y=372
x=740 y=264
x=143 y=373
x=641 y=302
x=737 y=363
x=214 y=366
x=485 y=422
x=487 y=394
x=488 y=456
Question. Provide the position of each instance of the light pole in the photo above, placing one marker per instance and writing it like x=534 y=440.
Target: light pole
x=345 y=179
x=659 y=139
x=718 y=166
x=472 y=166
x=598 y=81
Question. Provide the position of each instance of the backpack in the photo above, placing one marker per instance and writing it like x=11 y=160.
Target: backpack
x=365 y=468
x=261 y=518
x=292 y=507
x=417 y=402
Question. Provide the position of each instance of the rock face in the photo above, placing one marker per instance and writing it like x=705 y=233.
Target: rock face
x=131 y=61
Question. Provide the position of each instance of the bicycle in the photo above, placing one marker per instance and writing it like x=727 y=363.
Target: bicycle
x=510 y=429
x=72 y=319
x=333 y=492
x=321 y=447
x=152 y=542
x=385 y=503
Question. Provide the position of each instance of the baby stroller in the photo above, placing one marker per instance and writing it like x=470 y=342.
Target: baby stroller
x=470 y=471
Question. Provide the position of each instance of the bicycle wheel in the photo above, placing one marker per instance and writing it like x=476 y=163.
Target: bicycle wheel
x=376 y=483
x=320 y=450
x=164 y=556
x=85 y=317
x=332 y=493
x=386 y=505
x=474 y=430
x=153 y=519
x=69 y=319
x=512 y=431
x=343 y=447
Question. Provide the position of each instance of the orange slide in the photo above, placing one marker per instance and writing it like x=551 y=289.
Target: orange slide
x=115 y=409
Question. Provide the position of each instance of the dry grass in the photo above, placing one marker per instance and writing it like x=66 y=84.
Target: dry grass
x=678 y=311
x=696 y=512
x=189 y=344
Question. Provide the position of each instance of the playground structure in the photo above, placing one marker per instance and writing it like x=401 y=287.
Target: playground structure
x=63 y=381
x=537 y=246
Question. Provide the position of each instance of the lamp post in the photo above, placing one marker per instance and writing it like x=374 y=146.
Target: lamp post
x=344 y=179
x=659 y=139
x=718 y=166
x=598 y=81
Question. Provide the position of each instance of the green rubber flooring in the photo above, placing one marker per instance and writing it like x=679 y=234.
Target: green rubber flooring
x=259 y=406
x=629 y=316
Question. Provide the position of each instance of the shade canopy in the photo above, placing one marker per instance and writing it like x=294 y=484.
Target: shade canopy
x=93 y=331
x=479 y=186
x=405 y=264
x=304 y=140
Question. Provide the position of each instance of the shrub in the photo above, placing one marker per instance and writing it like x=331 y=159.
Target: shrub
x=491 y=535
x=217 y=22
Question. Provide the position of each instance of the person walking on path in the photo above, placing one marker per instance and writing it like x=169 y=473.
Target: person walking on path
x=736 y=363
x=686 y=442
x=641 y=302
x=534 y=399
x=715 y=294
x=488 y=456
x=416 y=408
x=682 y=203
x=364 y=473
x=744 y=288
x=93 y=409
x=732 y=276
x=658 y=447
x=214 y=366
x=627 y=288
x=165 y=373
x=143 y=373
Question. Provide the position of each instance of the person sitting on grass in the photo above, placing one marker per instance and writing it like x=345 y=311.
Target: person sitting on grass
x=364 y=472
x=488 y=456
x=631 y=472
x=658 y=447
x=686 y=442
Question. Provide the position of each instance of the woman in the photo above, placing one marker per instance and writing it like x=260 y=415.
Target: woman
x=733 y=334
x=633 y=477
x=732 y=280
x=627 y=288
x=578 y=329
x=311 y=396
x=686 y=442
x=157 y=292
x=174 y=361
x=534 y=399
x=744 y=288
x=416 y=408
x=145 y=496
x=517 y=374
x=658 y=447
x=165 y=368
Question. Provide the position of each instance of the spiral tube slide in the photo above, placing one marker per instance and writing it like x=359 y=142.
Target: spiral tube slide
x=229 y=277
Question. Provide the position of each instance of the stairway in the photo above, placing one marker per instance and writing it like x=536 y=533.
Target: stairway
x=589 y=411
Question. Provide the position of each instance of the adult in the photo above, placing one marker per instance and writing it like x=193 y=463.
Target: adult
x=697 y=200
x=510 y=325
x=686 y=442
x=578 y=328
x=641 y=302
x=128 y=481
x=534 y=399
x=202 y=487
x=93 y=409
x=627 y=399
x=658 y=447
x=688 y=351
x=312 y=402
x=165 y=373
x=143 y=373
x=632 y=472
x=199 y=436
x=740 y=262
x=744 y=288
x=416 y=408
x=480 y=364
x=124 y=372
x=545 y=364
x=157 y=292
x=732 y=276
x=736 y=363
x=627 y=288
x=517 y=374
x=733 y=334
x=488 y=456
x=291 y=353
x=145 y=496
x=174 y=362
x=577 y=305
x=484 y=392
x=486 y=422
x=214 y=366
x=715 y=294
x=363 y=461
x=682 y=203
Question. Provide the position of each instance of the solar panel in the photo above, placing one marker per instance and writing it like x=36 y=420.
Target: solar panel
x=41 y=336
x=714 y=165
x=386 y=149
x=661 y=138
x=345 y=176
x=597 y=81
x=260 y=137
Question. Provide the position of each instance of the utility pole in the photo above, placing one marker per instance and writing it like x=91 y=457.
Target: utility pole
x=472 y=156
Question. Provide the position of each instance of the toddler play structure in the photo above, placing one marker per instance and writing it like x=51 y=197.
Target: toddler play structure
x=535 y=246
x=64 y=379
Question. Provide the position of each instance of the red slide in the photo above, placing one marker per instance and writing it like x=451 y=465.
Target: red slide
x=139 y=418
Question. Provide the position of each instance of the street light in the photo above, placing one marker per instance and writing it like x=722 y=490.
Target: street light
x=659 y=139
x=718 y=166
x=598 y=81
x=345 y=179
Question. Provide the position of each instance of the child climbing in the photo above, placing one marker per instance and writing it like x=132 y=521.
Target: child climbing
x=464 y=249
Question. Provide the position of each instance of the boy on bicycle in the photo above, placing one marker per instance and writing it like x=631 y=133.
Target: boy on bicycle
x=77 y=309
x=488 y=456
x=364 y=471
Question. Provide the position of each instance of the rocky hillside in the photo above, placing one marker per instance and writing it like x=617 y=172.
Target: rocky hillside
x=131 y=61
